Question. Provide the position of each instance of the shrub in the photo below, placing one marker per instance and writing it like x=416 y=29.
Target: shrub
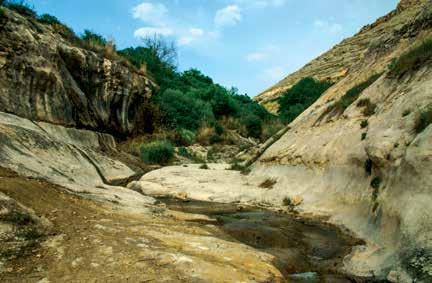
x=253 y=125
x=186 y=137
x=364 y=124
x=182 y=110
x=48 y=19
x=424 y=120
x=302 y=95
x=412 y=60
x=29 y=234
x=268 y=183
x=204 y=134
x=215 y=139
x=270 y=128
x=18 y=218
x=21 y=7
x=287 y=201
x=363 y=136
x=204 y=166
x=376 y=183
x=93 y=37
x=182 y=151
x=158 y=152
x=368 y=107
x=351 y=95
x=219 y=129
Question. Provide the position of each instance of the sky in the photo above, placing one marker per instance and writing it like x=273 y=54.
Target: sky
x=248 y=44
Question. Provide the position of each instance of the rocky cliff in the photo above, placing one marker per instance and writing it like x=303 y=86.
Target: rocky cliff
x=374 y=41
x=367 y=170
x=44 y=77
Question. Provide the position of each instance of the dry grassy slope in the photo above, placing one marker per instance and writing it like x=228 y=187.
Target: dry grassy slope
x=346 y=58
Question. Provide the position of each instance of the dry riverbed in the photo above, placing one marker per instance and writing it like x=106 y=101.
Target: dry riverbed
x=189 y=242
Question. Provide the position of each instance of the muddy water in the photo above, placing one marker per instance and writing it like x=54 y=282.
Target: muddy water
x=305 y=251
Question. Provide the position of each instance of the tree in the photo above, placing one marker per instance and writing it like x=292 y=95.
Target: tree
x=162 y=49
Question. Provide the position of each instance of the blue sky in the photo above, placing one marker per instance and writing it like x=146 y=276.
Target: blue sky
x=250 y=44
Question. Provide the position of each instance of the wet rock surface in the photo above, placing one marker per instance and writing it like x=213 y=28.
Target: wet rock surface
x=304 y=250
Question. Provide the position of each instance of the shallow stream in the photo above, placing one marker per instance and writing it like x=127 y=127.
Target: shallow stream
x=305 y=250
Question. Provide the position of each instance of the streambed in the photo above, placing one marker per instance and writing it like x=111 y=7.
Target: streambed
x=304 y=250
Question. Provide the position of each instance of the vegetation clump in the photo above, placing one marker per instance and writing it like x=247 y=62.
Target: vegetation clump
x=157 y=152
x=368 y=107
x=204 y=166
x=376 y=183
x=268 y=183
x=424 y=120
x=302 y=95
x=411 y=60
x=21 y=7
x=364 y=124
x=352 y=95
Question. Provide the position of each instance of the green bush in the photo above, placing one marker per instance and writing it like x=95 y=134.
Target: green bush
x=302 y=95
x=93 y=39
x=48 y=19
x=352 y=94
x=425 y=119
x=215 y=139
x=364 y=124
x=181 y=110
x=376 y=183
x=21 y=7
x=18 y=218
x=186 y=137
x=158 y=152
x=182 y=151
x=363 y=136
x=412 y=60
x=219 y=129
x=253 y=125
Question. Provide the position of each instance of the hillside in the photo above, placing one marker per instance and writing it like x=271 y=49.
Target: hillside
x=340 y=194
x=375 y=43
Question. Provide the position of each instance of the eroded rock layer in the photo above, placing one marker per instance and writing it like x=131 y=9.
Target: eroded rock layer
x=44 y=77
x=374 y=42
x=369 y=166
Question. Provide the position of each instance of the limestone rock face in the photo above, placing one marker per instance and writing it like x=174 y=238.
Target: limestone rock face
x=374 y=177
x=347 y=57
x=74 y=159
x=43 y=77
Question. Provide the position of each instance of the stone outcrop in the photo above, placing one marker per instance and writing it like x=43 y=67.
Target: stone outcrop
x=347 y=57
x=372 y=177
x=74 y=159
x=44 y=77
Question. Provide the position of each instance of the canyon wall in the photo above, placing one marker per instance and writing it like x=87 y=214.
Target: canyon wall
x=45 y=77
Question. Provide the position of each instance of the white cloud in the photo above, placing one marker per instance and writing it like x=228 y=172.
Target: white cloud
x=261 y=3
x=228 y=16
x=196 y=32
x=256 y=56
x=267 y=52
x=149 y=31
x=274 y=73
x=328 y=27
x=150 y=13
x=192 y=35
